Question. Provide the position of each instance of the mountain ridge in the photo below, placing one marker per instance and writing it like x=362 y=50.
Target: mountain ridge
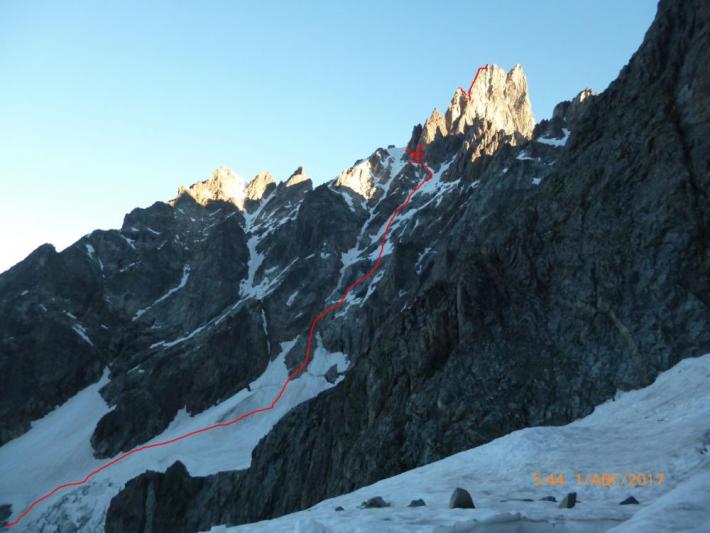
x=524 y=286
x=552 y=280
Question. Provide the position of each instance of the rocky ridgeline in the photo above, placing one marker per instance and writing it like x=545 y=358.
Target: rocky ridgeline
x=225 y=186
x=560 y=265
x=543 y=268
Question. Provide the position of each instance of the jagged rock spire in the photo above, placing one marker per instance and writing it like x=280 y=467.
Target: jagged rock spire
x=299 y=176
x=434 y=127
x=359 y=179
x=499 y=97
x=496 y=110
x=258 y=186
x=223 y=185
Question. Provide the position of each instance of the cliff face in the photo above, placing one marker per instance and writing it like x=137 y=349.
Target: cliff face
x=543 y=268
x=542 y=276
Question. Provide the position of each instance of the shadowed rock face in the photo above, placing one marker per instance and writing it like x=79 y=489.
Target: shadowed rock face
x=106 y=300
x=175 y=487
x=554 y=265
x=43 y=360
x=553 y=276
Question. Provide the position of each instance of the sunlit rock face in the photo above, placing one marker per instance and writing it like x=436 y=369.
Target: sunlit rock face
x=496 y=112
x=222 y=185
x=258 y=186
x=498 y=97
x=299 y=176
x=360 y=178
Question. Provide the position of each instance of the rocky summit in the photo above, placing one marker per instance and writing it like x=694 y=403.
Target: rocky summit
x=223 y=185
x=543 y=268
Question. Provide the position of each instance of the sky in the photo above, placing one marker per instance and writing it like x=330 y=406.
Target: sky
x=107 y=106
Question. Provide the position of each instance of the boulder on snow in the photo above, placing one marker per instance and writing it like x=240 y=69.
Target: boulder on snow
x=417 y=503
x=630 y=501
x=374 y=503
x=332 y=374
x=569 y=501
x=461 y=499
x=339 y=508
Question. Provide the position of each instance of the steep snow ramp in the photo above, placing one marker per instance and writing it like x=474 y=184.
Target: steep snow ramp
x=57 y=449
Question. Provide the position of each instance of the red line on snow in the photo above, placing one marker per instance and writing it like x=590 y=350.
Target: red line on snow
x=291 y=376
x=417 y=159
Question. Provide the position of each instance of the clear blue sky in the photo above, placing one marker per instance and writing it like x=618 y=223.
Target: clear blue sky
x=106 y=106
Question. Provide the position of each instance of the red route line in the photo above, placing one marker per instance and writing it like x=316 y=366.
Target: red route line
x=291 y=376
x=417 y=159
x=468 y=93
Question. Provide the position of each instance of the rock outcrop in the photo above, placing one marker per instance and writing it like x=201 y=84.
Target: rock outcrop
x=569 y=501
x=298 y=176
x=361 y=177
x=497 y=112
x=461 y=499
x=259 y=186
x=499 y=98
x=223 y=185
